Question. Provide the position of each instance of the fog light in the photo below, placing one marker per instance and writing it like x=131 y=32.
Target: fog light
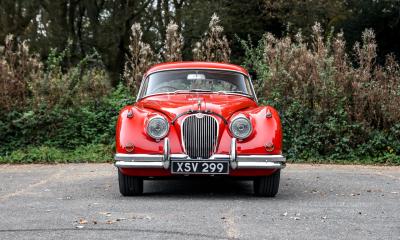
x=129 y=147
x=269 y=147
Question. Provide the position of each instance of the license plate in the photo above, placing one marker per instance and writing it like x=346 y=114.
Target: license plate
x=200 y=167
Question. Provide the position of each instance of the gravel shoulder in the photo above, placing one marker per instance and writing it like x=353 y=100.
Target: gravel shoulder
x=82 y=201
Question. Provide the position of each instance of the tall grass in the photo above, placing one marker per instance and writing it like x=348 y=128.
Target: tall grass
x=333 y=104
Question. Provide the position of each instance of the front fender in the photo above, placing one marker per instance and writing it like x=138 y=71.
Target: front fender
x=132 y=131
x=267 y=130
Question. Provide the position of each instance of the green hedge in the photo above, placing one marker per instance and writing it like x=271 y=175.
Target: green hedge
x=62 y=134
x=87 y=134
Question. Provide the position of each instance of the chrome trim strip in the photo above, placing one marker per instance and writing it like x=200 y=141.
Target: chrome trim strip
x=233 y=154
x=180 y=156
x=125 y=164
x=261 y=158
x=261 y=165
x=166 y=153
x=157 y=160
x=138 y=157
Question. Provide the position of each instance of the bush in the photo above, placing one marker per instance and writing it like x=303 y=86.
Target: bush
x=332 y=106
x=78 y=84
x=63 y=128
x=17 y=69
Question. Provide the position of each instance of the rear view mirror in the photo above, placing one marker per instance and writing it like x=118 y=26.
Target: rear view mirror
x=193 y=77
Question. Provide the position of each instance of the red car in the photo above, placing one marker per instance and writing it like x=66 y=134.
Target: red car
x=198 y=118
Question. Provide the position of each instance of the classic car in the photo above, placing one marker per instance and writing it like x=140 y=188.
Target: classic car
x=198 y=119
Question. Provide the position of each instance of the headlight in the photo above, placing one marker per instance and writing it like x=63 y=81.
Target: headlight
x=157 y=127
x=241 y=127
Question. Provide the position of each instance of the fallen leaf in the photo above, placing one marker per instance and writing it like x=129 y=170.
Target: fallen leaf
x=108 y=214
x=82 y=221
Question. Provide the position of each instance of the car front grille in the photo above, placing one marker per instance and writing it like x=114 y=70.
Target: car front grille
x=199 y=135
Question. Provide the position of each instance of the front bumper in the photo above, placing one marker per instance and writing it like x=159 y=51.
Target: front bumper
x=159 y=161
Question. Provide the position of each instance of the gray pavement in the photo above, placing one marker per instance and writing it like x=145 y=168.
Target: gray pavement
x=81 y=201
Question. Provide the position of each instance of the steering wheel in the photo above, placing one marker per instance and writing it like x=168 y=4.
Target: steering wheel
x=167 y=89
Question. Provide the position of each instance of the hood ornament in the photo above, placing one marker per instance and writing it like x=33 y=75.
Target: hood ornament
x=199 y=114
x=199 y=104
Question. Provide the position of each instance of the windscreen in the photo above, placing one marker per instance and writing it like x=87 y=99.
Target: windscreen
x=197 y=81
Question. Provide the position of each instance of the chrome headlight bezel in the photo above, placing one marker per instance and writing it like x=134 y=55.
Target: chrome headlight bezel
x=153 y=121
x=235 y=121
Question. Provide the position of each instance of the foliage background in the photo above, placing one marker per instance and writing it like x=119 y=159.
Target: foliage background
x=71 y=65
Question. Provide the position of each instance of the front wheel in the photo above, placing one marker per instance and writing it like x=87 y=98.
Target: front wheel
x=267 y=186
x=130 y=186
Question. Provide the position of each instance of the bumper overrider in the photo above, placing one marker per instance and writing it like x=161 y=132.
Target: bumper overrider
x=123 y=160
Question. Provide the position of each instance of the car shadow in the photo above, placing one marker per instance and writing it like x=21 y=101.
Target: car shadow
x=198 y=187
x=207 y=187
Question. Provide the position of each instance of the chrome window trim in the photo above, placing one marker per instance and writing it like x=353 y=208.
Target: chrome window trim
x=144 y=79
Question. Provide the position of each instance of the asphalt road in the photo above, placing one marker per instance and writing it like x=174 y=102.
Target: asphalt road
x=81 y=201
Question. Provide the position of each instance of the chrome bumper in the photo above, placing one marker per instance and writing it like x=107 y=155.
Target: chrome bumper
x=123 y=160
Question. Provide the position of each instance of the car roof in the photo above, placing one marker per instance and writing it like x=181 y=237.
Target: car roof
x=196 y=65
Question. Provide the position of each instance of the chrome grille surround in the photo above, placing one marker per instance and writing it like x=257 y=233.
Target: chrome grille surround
x=199 y=134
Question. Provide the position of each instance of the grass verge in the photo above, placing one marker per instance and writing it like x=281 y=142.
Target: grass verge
x=100 y=153
x=96 y=153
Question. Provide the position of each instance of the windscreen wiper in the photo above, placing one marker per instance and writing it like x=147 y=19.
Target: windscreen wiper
x=199 y=90
x=239 y=92
x=192 y=90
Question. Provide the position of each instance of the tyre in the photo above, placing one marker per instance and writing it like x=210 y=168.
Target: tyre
x=130 y=186
x=267 y=186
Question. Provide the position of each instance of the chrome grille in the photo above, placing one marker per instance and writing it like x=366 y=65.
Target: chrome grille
x=199 y=135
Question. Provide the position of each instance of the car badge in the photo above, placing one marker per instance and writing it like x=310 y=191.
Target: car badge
x=199 y=115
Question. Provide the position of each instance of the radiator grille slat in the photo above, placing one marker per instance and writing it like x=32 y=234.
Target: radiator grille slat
x=199 y=135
